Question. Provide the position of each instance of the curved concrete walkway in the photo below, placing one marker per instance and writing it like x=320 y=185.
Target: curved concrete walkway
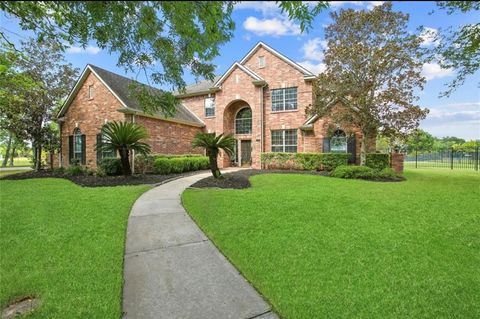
x=172 y=270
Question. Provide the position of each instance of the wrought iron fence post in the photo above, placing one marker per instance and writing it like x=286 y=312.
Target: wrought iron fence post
x=416 y=157
x=451 y=158
x=476 y=158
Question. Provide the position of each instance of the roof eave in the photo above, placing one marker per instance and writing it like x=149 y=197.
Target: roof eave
x=204 y=92
x=137 y=112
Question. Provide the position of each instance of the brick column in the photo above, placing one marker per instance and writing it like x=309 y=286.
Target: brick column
x=396 y=162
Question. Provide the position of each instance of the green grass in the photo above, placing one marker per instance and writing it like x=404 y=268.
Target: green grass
x=319 y=247
x=9 y=172
x=65 y=244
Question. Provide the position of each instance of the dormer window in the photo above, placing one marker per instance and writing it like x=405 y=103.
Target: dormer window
x=261 y=61
x=209 y=107
x=90 y=92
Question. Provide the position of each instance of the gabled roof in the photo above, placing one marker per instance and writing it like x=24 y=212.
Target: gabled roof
x=307 y=74
x=119 y=86
x=202 y=87
x=252 y=74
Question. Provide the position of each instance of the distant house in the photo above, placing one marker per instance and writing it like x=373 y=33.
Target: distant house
x=261 y=99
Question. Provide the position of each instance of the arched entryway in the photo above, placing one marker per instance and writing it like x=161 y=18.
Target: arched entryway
x=238 y=119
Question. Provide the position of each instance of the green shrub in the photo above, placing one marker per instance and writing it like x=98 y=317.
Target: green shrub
x=163 y=166
x=74 y=170
x=75 y=162
x=111 y=166
x=331 y=161
x=145 y=164
x=59 y=170
x=304 y=161
x=175 y=165
x=387 y=172
x=346 y=171
x=176 y=155
x=377 y=161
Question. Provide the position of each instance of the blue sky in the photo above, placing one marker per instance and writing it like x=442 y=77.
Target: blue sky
x=458 y=115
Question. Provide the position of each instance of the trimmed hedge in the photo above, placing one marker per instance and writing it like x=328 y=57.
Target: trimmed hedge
x=304 y=161
x=111 y=166
x=145 y=164
x=364 y=172
x=176 y=165
x=377 y=161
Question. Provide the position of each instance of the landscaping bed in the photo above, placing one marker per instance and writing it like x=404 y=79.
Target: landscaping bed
x=98 y=181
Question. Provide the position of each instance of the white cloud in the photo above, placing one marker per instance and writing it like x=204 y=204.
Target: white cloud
x=428 y=36
x=454 y=119
x=267 y=8
x=79 y=50
x=313 y=49
x=433 y=71
x=362 y=4
x=315 y=68
x=273 y=27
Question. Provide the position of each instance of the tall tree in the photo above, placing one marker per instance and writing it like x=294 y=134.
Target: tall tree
x=44 y=65
x=458 y=48
x=176 y=34
x=373 y=67
x=420 y=140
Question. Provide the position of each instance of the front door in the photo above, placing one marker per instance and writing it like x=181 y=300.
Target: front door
x=246 y=152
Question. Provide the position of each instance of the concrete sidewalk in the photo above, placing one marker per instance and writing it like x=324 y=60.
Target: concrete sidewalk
x=172 y=270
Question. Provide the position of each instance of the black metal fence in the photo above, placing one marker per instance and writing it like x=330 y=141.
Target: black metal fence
x=449 y=158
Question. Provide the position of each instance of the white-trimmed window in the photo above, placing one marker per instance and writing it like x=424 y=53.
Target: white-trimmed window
x=338 y=142
x=90 y=92
x=77 y=144
x=284 y=99
x=284 y=141
x=243 y=121
x=209 y=107
x=261 y=61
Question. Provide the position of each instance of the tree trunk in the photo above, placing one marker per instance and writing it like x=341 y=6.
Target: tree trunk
x=7 y=152
x=363 y=149
x=12 y=154
x=51 y=160
x=125 y=162
x=214 y=164
x=38 y=157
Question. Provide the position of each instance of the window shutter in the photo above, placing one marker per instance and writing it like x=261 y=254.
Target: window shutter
x=351 y=149
x=70 y=148
x=99 y=151
x=84 y=149
x=326 y=145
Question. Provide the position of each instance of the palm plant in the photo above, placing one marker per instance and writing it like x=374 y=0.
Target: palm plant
x=124 y=137
x=213 y=144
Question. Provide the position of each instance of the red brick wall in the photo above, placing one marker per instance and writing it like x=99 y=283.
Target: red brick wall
x=169 y=137
x=89 y=115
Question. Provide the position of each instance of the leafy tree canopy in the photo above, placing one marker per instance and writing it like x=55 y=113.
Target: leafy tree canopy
x=158 y=38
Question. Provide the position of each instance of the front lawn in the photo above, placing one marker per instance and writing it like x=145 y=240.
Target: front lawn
x=64 y=244
x=320 y=247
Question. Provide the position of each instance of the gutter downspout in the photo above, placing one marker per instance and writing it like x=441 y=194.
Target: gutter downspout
x=133 y=151
x=60 y=155
x=262 y=129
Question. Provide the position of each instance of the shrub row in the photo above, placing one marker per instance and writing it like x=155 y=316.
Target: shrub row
x=111 y=166
x=363 y=172
x=377 y=161
x=145 y=164
x=172 y=165
x=304 y=161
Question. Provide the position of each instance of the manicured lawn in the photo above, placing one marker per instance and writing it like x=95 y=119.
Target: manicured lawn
x=319 y=247
x=65 y=244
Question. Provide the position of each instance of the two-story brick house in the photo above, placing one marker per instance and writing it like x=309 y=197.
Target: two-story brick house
x=261 y=99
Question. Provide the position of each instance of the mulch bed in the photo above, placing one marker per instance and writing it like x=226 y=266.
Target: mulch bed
x=95 y=181
x=239 y=179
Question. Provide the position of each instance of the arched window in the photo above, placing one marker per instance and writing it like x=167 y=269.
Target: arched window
x=338 y=142
x=243 y=121
x=77 y=144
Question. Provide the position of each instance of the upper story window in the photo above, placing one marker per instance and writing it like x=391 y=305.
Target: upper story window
x=284 y=99
x=284 y=141
x=261 y=61
x=90 y=92
x=209 y=107
x=243 y=121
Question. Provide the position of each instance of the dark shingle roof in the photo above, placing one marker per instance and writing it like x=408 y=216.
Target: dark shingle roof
x=120 y=85
x=201 y=86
